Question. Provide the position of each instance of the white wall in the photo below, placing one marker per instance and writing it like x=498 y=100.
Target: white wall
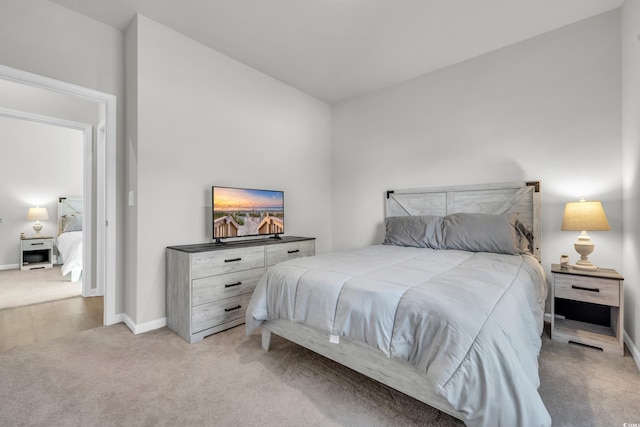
x=39 y=163
x=204 y=119
x=546 y=109
x=41 y=37
x=631 y=157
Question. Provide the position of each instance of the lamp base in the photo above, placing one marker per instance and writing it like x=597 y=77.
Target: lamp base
x=580 y=265
x=37 y=227
x=584 y=246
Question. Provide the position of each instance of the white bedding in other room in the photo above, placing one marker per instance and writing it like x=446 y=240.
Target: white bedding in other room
x=70 y=247
x=471 y=321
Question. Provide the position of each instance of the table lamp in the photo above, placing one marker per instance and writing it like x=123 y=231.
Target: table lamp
x=37 y=214
x=584 y=216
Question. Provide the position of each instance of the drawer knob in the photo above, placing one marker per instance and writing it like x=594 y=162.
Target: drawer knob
x=37 y=244
x=580 y=288
x=294 y=251
x=231 y=285
x=237 y=307
x=233 y=260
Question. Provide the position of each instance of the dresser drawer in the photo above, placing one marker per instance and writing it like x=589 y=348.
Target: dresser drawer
x=204 y=264
x=209 y=289
x=35 y=244
x=286 y=251
x=218 y=312
x=588 y=289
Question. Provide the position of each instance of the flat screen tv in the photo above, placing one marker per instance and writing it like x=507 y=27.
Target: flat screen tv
x=241 y=212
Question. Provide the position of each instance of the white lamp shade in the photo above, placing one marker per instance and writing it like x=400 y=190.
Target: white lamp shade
x=584 y=216
x=37 y=214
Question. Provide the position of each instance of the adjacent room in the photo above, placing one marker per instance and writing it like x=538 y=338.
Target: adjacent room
x=326 y=213
x=48 y=160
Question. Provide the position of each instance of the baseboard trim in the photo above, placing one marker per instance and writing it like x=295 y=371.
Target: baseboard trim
x=9 y=266
x=635 y=353
x=118 y=318
x=144 y=327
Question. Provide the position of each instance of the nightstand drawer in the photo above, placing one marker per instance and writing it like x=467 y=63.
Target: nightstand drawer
x=209 y=289
x=588 y=289
x=36 y=244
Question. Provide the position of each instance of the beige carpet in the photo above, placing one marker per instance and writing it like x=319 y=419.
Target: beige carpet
x=20 y=288
x=110 y=377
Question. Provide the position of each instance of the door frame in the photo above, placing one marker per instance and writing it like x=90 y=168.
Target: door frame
x=105 y=196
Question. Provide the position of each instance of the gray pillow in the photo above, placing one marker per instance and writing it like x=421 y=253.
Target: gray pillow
x=71 y=223
x=478 y=232
x=423 y=231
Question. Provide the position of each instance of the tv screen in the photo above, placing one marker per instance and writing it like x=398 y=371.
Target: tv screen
x=240 y=212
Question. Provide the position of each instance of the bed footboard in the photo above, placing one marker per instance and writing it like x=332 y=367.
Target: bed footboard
x=372 y=363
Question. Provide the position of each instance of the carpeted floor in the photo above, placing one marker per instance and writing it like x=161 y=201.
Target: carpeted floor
x=20 y=288
x=108 y=376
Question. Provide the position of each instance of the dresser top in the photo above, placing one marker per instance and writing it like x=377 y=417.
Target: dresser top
x=208 y=247
x=605 y=273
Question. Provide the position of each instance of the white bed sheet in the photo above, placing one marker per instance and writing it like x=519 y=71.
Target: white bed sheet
x=70 y=248
x=471 y=322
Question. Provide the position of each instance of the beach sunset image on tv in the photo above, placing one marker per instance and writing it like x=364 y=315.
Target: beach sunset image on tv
x=241 y=212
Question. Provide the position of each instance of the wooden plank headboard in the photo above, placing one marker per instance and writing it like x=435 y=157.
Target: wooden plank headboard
x=519 y=197
x=68 y=205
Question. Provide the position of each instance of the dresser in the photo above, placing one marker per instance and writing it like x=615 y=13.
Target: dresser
x=209 y=285
x=587 y=307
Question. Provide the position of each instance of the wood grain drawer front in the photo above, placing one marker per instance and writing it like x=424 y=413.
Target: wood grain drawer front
x=588 y=289
x=286 y=251
x=206 y=264
x=218 y=312
x=209 y=289
x=35 y=244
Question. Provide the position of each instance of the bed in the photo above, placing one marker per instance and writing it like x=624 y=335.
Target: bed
x=449 y=310
x=69 y=240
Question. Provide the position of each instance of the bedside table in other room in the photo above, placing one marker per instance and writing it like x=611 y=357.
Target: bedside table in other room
x=36 y=253
x=587 y=307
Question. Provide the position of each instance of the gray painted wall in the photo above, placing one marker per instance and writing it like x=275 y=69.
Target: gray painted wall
x=205 y=119
x=547 y=109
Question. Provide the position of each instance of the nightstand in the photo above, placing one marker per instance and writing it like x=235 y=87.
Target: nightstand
x=36 y=253
x=587 y=307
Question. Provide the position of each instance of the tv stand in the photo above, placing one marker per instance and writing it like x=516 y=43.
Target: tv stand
x=276 y=236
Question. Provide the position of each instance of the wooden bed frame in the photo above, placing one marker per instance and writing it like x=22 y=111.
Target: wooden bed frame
x=519 y=197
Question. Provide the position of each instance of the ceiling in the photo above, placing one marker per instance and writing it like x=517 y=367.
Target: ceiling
x=337 y=49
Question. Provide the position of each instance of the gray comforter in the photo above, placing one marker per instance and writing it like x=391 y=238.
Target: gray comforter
x=470 y=321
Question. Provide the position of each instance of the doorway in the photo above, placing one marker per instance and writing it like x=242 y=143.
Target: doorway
x=102 y=248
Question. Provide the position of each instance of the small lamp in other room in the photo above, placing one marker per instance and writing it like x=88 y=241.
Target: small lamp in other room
x=37 y=214
x=584 y=216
